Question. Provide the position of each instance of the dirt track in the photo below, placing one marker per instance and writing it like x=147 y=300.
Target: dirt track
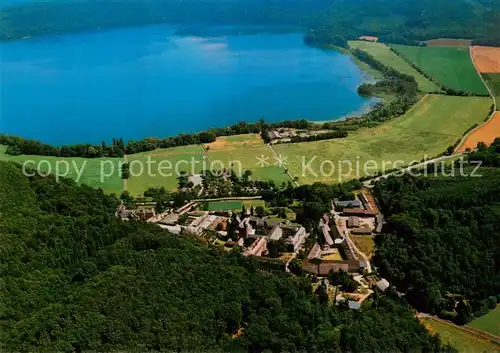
x=486 y=59
x=485 y=133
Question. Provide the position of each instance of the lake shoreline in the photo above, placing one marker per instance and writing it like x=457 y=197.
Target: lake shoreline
x=370 y=76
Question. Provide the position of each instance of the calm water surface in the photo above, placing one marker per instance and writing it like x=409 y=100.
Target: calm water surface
x=140 y=82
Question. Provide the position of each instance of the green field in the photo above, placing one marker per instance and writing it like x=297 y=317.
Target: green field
x=432 y=125
x=462 y=341
x=383 y=53
x=254 y=203
x=166 y=166
x=489 y=322
x=101 y=173
x=451 y=66
x=493 y=82
x=243 y=152
x=225 y=205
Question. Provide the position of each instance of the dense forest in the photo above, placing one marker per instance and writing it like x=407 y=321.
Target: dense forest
x=326 y=22
x=76 y=278
x=440 y=246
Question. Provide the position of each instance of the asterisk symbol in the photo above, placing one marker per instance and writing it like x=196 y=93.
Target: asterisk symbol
x=280 y=161
x=262 y=161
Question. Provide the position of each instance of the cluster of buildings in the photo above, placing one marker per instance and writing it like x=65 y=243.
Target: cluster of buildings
x=257 y=236
x=141 y=213
x=358 y=217
x=281 y=135
x=273 y=244
x=284 y=135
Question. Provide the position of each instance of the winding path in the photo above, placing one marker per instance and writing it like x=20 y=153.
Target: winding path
x=459 y=146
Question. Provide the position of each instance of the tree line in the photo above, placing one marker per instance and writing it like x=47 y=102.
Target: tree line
x=18 y=145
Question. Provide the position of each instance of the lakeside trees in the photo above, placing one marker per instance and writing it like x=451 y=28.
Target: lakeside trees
x=404 y=86
x=18 y=145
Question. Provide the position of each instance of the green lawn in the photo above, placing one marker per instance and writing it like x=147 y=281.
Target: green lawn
x=165 y=166
x=225 y=205
x=432 y=125
x=246 y=152
x=101 y=173
x=493 y=81
x=254 y=203
x=489 y=322
x=451 y=66
x=462 y=341
x=383 y=53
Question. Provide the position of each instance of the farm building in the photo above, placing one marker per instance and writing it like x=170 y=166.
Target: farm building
x=315 y=252
x=170 y=220
x=383 y=284
x=347 y=204
x=358 y=212
x=353 y=222
x=361 y=231
x=325 y=229
x=369 y=38
x=323 y=267
x=364 y=199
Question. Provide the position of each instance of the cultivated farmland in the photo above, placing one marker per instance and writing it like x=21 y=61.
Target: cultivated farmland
x=450 y=66
x=464 y=341
x=489 y=322
x=165 y=166
x=487 y=59
x=92 y=169
x=493 y=82
x=246 y=152
x=432 y=125
x=486 y=133
x=383 y=53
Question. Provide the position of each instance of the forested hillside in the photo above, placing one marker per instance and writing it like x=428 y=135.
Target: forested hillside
x=75 y=278
x=441 y=244
x=397 y=21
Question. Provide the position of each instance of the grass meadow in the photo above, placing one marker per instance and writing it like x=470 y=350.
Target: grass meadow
x=166 y=165
x=489 y=322
x=101 y=173
x=225 y=205
x=463 y=341
x=433 y=124
x=249 y=152
x=451 y=66
x=384 y=54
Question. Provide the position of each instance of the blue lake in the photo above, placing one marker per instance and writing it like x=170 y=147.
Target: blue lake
x=139 y=82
